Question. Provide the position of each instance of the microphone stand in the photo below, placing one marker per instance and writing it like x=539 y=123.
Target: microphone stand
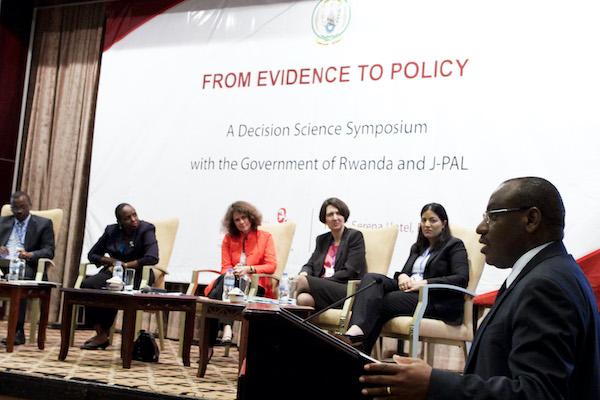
x=340 y=301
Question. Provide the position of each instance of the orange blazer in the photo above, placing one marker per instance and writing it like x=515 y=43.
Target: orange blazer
x=260 y=253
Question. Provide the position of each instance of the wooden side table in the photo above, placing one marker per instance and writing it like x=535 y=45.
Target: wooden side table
x=17 y=290
x=130 y=303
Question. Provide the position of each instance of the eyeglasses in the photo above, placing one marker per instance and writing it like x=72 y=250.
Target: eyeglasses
x=488 y=216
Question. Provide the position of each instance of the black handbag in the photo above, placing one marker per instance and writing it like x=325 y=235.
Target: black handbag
x=145 y=348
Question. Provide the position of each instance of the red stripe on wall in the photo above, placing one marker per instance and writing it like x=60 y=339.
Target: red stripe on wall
x=590 y=264
x=123 y=17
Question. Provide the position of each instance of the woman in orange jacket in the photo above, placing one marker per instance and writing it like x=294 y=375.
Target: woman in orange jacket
x=245 y=250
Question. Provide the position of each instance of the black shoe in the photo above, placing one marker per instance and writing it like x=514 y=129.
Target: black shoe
x=224 y=342
x=19 y=338
x=94 y=346
x=355 y=341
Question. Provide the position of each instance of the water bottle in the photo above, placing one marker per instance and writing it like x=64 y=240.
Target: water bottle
x=228 y=283
x=292 y=290
x=284 y=293
x=13 y=269
x=118 y=270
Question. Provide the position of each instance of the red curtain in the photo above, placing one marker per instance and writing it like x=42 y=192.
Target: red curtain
x=15 y=25
x=123 y=17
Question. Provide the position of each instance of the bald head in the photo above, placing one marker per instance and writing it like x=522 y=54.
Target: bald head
x=521 y=214
x=540 y=193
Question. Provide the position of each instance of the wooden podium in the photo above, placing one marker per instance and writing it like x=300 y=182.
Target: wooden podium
x=289 y=359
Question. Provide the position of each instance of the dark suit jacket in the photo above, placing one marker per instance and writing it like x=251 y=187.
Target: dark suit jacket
x=39 y=238
x=448 y=265
x=142 y=247
x=540 y=340
x=350 y=262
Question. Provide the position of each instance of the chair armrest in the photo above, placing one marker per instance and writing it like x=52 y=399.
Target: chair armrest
x=161 y=270
x=145 y=276
x=254 y=283
x=254 y=277
x=81 y=275
x=450 y=287
x=422 y=306
x=352 y=286
x=216 y=271
x=194 y=283
x=41 y=268
x=424 y=298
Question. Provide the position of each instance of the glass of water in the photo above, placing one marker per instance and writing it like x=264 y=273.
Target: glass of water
x=128 y=278
x=245 y=283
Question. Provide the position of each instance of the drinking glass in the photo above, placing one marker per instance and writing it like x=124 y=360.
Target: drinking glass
x=129 y=278
x=245 y=284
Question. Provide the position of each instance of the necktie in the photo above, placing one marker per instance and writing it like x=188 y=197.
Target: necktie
x=20 y=233
x=501 y=290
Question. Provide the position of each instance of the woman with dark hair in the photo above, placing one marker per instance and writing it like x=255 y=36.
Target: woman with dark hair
x=245 y=250
x=436 y=257
x=133 y=243
x=339 y=256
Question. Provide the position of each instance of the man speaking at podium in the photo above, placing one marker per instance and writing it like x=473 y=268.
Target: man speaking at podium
x=541 y=338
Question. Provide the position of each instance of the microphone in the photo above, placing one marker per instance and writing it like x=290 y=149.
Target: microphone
x=332 y=305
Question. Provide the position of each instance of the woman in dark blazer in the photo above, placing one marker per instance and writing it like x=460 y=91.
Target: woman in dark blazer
x=339 y=256
x=133 y=243
x=436 y=257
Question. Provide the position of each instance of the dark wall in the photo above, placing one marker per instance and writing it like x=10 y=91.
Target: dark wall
x=15 y=25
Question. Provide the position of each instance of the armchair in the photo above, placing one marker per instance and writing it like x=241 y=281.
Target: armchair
x=56 y=216
x=431 y=331
x=379 y=247
x=166 y=232
x=283 y=235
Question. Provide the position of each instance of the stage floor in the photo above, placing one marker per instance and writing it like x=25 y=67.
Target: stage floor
x=168 y=376
x=99 y=374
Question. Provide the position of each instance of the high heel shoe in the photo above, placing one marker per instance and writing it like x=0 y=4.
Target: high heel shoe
x=90 y=340
x=94 y=346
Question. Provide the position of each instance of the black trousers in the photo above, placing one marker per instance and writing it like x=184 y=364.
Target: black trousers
x=105 y=317
x=325 y=291
x=378 y=304
x=217 y=294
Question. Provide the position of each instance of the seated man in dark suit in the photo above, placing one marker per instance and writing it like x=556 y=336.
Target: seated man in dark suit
x=28 y=237
x=541 y=339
